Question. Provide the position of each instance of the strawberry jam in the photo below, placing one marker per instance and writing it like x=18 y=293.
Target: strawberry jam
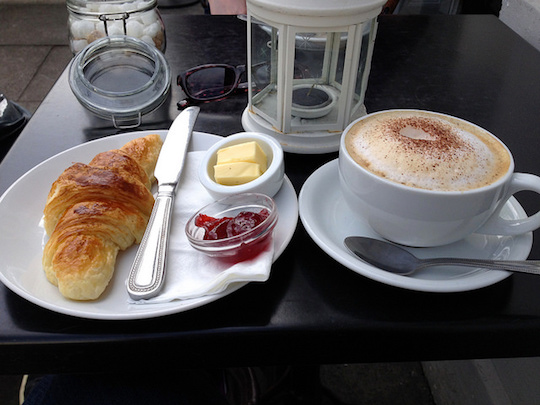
x=227 y=227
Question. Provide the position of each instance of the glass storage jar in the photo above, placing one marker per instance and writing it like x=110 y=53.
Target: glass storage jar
x=94 y=19
x=120 y=78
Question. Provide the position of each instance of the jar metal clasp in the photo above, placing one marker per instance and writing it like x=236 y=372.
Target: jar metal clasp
x=114 y=17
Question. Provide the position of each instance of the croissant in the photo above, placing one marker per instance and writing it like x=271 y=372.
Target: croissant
x=95 y=210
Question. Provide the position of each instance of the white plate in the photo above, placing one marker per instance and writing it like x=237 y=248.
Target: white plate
x=328 y=220
x=21 y=238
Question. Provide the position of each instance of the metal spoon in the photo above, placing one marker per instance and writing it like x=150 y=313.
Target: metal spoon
x=395 y=259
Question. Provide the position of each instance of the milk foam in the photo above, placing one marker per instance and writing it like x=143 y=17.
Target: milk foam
x=426 y=151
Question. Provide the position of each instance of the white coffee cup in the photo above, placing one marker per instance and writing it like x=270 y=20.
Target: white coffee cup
x=424 y=215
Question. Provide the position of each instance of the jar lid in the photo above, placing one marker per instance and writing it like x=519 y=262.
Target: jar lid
x=120 y=78
x=101 y=7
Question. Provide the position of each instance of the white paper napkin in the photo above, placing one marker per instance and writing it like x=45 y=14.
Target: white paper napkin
x=192 y=274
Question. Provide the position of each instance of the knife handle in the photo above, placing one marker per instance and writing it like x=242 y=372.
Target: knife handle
x=148 y=270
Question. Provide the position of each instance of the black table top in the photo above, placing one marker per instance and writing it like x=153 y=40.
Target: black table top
x=312 y=310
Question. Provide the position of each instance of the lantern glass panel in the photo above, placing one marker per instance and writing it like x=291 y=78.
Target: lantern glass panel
x=368 y=36
x=264 y=70
x=318 y=72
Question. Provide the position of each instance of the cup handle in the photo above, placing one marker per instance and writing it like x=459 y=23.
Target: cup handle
x=496 y=225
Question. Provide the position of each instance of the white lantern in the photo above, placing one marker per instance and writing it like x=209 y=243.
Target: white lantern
x=308 y=65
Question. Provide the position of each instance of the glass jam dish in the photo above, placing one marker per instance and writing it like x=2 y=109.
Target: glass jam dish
x=247 y=241
x=91 y=20
x=120 y=78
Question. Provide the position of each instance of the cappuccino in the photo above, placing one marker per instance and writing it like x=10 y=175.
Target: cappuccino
x=427 y=151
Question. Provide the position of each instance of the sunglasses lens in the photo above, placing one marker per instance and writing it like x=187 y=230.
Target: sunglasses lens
x=210 y=83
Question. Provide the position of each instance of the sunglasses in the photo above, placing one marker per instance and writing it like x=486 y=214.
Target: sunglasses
x=210 y=82
x=207 y=83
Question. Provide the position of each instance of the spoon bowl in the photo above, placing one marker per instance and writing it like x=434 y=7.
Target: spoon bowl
x=393 y=258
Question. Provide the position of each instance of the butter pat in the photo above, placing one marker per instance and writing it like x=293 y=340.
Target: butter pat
x=239 y=164
x=236 y=173
x=249 y=152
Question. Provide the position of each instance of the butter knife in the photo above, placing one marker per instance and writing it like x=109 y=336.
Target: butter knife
x=147 y=273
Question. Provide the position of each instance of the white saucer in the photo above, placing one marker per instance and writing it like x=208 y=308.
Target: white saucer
x=22 y=236
x=328 y=220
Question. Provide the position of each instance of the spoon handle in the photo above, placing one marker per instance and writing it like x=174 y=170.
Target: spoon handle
x=519 y=266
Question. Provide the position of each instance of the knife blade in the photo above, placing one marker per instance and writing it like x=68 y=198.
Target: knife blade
x=147 y=273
